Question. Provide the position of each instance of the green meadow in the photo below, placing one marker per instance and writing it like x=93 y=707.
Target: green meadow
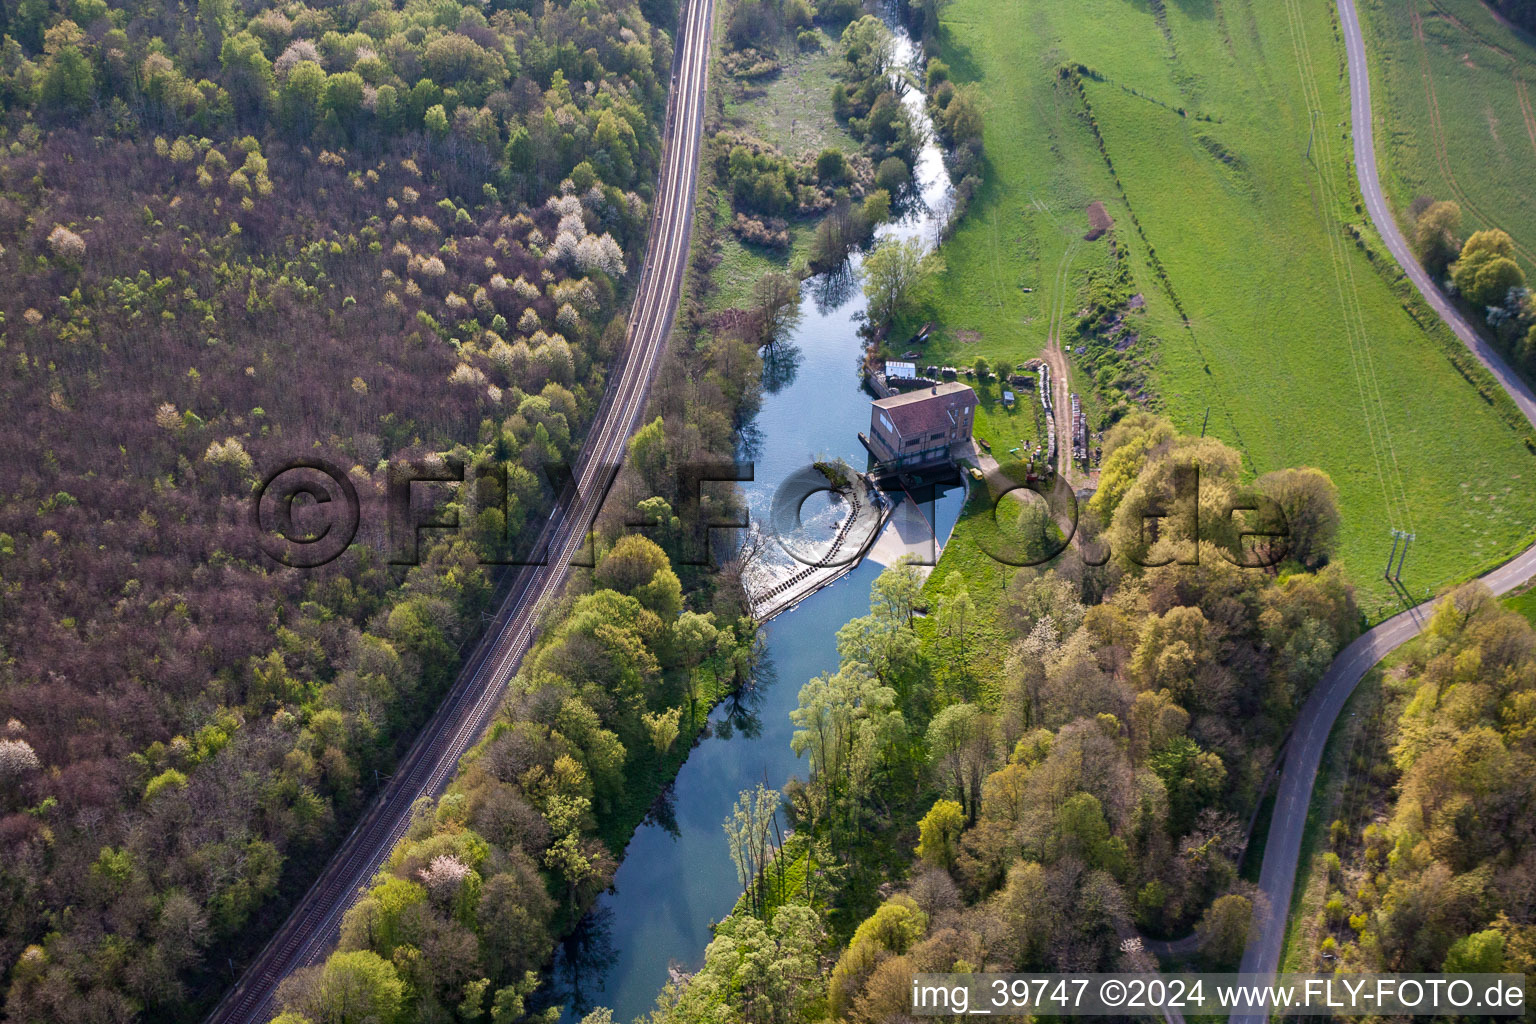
x=1269 y=305
x=1452 y=88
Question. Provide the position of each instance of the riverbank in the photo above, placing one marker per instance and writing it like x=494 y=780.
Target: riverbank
x=677 y=878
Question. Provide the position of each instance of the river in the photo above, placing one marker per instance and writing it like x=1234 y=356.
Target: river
x=677 y=878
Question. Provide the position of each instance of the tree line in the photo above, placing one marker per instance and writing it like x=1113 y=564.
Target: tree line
x=1482 y=271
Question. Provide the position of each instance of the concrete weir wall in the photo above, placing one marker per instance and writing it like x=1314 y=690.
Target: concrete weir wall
x=869 y=511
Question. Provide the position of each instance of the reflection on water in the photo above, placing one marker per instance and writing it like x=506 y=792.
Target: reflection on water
x=749 y=441
x=663 y=812
x=741 y=712
x=830 y=291
x=781 y=362
x=583 y=960
x=676 y=878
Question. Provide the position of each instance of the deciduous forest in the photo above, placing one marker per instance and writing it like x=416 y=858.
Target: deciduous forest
x=1430 y=864
x=238 y=234
x=1052 y=778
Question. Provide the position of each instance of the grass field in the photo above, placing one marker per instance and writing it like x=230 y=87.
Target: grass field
x=793 y=110
x=1192 y=127
x=1455 y=114
x=1524 y=602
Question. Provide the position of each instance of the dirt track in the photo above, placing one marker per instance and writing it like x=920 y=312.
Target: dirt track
x=1056 y=359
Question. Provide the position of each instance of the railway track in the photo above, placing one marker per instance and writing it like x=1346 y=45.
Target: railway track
x=313 y=928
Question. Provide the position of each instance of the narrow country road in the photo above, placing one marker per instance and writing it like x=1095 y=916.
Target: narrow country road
x=1282 y=851
x=313 y=928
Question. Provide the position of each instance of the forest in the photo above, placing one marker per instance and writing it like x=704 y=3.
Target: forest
x=464 y=919
x=460 y=923
x=234 y=235
x=1053 y=777
x=1431 y=864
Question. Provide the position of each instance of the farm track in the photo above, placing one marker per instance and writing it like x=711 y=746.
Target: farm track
x=1315 y=721
x=313 y=927
x=1057 y=358
x=1437 y=128
x=1523 y=95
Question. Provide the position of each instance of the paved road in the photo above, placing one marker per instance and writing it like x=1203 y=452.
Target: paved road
x=314 y=926
x=1282 y=851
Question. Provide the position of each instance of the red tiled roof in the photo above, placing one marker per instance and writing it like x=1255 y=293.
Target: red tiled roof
x=927 y=411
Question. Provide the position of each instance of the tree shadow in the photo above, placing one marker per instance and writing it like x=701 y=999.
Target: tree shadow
x=1404 y=596
x=1204 y=9
x=961 y=61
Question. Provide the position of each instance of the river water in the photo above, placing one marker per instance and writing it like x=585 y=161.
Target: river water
x=677 y=878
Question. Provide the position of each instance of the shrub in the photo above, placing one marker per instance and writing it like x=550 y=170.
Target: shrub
x=836 y=12
x=831 y=167
x=877 y=207
x=773 y=233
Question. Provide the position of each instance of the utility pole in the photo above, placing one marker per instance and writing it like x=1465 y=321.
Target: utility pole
x=1206 y=421
x=1407 y=539
x=1396 y=536
x=1311 y=128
